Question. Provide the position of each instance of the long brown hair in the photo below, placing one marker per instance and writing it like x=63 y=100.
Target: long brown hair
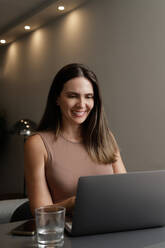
x=97 y=138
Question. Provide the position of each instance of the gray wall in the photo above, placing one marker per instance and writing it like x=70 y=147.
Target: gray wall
x=123 y=42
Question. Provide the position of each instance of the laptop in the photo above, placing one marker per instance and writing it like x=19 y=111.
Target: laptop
x=110 y=203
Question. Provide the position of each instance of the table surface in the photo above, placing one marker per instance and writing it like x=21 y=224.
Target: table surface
x=147 y=238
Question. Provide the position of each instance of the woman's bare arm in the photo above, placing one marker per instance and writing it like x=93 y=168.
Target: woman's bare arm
x=35 y=157
x=118 y=166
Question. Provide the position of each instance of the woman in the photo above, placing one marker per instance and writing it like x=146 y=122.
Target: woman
x=73 y=140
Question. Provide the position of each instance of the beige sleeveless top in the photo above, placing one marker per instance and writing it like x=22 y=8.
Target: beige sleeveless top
x=67 y=161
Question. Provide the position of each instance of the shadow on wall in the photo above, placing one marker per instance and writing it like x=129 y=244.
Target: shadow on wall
x=3 y=131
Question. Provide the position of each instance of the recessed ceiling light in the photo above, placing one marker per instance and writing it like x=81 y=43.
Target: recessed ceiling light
x=27 y=27
x=2 y=41
x=61 y=8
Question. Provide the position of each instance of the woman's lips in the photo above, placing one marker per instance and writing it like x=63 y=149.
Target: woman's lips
x=78 y=113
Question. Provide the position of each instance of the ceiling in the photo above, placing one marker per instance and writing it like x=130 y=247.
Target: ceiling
x=15 y=14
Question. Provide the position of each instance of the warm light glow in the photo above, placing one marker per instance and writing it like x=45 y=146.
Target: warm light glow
x=61 y=8
x=3 y=41
x=27 y=27
x=12 y=63
x=37 y=43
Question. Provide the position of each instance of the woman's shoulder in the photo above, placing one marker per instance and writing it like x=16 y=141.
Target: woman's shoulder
x=39 y=136
x=33 y=139
x=35 y=143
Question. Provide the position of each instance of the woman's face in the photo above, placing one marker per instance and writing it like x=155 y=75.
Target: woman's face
x=76 y=101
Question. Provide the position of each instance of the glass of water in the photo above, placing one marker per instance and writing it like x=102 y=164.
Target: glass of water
x=50 y=221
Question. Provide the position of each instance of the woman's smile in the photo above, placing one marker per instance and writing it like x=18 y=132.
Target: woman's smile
x=76 y=100
x=78 y=113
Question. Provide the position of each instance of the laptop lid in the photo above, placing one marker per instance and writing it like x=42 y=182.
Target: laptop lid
x=110 y=203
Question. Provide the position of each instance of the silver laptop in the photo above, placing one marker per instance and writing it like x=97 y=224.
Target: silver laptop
x=110 y=203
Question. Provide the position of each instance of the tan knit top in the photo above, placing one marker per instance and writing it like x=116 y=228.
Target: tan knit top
x=67 y=161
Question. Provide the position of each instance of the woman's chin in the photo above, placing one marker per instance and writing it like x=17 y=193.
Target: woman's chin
x=78 y=120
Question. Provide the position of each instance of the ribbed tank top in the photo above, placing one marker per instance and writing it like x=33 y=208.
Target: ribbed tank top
x=66 y=162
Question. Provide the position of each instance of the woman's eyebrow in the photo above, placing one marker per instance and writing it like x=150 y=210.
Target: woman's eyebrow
x=72 y=92
x=89 y=94
x=76 y=93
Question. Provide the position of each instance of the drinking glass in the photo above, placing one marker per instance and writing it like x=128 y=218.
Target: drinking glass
x=50 y=221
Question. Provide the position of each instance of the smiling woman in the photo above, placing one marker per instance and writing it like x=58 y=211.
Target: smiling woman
x=76 y=101
x=73 y=140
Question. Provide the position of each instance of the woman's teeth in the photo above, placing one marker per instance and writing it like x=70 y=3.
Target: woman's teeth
x=78 y=113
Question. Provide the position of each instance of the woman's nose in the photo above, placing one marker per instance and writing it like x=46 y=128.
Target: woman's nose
x=81 y=102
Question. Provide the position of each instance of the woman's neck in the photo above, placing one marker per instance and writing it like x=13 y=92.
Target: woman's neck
x=72 y=134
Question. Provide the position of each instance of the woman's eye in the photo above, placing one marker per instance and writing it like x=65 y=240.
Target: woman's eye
x=75 y=96
x=89 y=96
x=71 y=96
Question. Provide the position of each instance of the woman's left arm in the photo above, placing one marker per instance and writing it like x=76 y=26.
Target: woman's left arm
x=118 y=166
